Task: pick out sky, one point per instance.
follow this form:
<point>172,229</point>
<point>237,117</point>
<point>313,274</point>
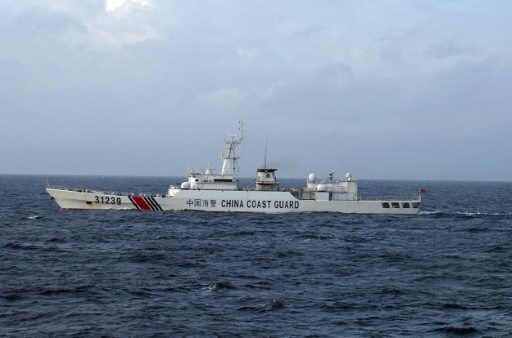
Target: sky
<point>383,89</point>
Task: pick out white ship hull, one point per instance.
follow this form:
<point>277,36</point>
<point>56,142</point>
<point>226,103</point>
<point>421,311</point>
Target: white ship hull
<point>230,201</point>
<point>212,191</point>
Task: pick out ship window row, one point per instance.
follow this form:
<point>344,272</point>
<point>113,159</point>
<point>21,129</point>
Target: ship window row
<point>405,205</point>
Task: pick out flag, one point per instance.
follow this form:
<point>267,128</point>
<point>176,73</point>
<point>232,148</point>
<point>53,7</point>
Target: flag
<point>422,190</point>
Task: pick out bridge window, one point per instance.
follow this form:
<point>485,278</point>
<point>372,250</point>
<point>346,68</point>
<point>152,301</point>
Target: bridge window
<point>395,204</point>
<point>415,205</point>
<point>385,205</point>
<point>405,205</point>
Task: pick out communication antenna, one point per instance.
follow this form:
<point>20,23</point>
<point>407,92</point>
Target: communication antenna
<point>265,159</point>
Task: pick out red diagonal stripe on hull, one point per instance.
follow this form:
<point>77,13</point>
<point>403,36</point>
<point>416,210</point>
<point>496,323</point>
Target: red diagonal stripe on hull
<point>141,203</point>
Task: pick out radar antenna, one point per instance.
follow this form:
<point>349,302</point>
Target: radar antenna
<point>228,160</point>
<point>265,159</point>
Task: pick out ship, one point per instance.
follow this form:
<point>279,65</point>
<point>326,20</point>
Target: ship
<point>213,191</point>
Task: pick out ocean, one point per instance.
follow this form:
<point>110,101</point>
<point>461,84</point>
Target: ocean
<point>446,272</point>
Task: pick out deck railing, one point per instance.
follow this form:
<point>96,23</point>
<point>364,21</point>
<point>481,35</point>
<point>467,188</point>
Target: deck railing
<point>389,198</point>
<point>114,193</point>
<point>58,187</point>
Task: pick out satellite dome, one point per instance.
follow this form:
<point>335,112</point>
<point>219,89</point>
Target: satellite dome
<point>312,178</point>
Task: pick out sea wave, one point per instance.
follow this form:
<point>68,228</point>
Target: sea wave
<point>440,273</point>
<point>464,213</point>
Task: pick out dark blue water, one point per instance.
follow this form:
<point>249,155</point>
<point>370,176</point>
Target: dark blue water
<point>446,272</point>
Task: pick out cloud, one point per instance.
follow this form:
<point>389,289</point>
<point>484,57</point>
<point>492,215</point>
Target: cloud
<point>84,24</point>
<point>114,5</point>
<point>224,98</point>
<point>450,49</point>
<point>343,82</point>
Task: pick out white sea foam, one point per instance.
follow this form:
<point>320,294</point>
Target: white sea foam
<point>429,212</point>
<point>465,213</point>
<point>478,214</point>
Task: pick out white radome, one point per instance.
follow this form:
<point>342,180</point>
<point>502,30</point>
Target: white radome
<point>312,178</point>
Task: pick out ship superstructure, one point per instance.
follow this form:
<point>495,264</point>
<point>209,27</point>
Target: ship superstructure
<point>208,179</point>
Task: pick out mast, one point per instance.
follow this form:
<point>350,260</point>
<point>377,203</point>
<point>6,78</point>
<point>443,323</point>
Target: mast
<point>266,178</point>
<point>229,160</point>
<point>265,161</point>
